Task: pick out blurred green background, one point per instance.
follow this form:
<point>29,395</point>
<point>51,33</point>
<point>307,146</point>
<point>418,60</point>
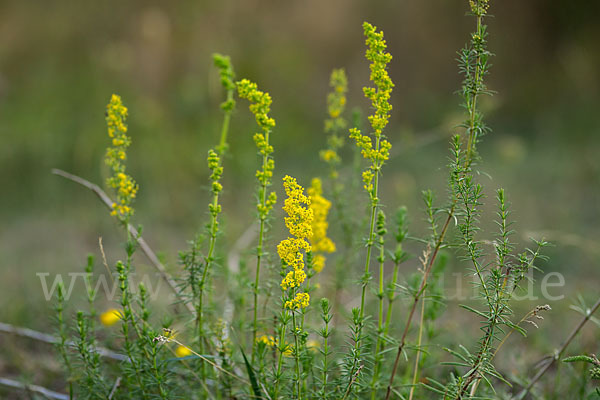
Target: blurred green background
<point>60,62</point>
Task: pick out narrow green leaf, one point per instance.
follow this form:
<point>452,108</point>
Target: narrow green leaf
<point>252,377</point>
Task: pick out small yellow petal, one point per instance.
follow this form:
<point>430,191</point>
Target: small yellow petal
<point>110,317</point>
<point>182,351</point>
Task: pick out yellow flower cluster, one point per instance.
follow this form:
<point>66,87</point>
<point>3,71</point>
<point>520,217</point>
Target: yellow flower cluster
<point>223,63</point>
<point>125,186</point>
<point>299,223</point>
<point>297,207</point>
<point>214,164</point>
<point>110,317</point>
<point>300,301</point>
<point>267,340</point>
<point>260,105</point>
<point>479,7</point>
<point>336,103</point>
<point>270,341</point>
<point>379,96</point>
<point>320,243</point>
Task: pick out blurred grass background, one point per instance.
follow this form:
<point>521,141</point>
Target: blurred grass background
<point>60,62</point>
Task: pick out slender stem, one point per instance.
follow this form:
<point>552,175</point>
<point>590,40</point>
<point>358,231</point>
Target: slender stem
<point>225,128</point>
<point>476,384</point>
<point>108,202</point>
<point>207,264</point>
<point>419,341</point>
<point>281,345</point>
<point>259,248</point>
<point>34,388</point>
<point>380,344</point>
<point>472,110</point>
<point>374,202</point>
<point>416,300</point>
<point>325,365</point>
<point>473,107</point>
<point>297,356</point>
<point>560,350</point>
<point>391,299</point>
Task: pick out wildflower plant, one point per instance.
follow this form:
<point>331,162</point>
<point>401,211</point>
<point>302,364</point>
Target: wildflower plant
<point>116,154</point>
<point>376,153</point>
<point>299,222</point>
<point>260,106</point>
<point>320,243</point>
<point>299,350</point>
<point>336,104</point>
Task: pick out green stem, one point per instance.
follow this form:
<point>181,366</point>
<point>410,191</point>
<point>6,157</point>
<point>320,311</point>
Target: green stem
<point>225,128</point>
<point>419,341</point>
<point>207,264</point>
<point>259,248</point>
<point>473,106</point>
<point>391,299</point>
<point>418,294</point>
<point>472,109</point>
<point>325,365</point>
<point>380,344</point>
<point>281,345</point>
<point>374,203</point>
<point>297,356</point>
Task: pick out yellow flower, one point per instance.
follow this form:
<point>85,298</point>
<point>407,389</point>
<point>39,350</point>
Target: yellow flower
<point>320,243</point>
<point>320,206</point>
<point>329,155</point>
<point>336,100</point>
<point>271,341</point>
<point>313,345</point>
<point>124,185</point>
<point>260,103</point>
<point>300,301</point>
<point>268,340</point>
<point>299,222</point>
<point>297,207</point>
<point>318,263</point>
<point>110,317</point>
<point>380,99</point>
<point>182,351</point>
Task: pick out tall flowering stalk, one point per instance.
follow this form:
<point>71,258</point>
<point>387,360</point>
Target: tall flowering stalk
<point>223,63</point>
<point>116,154</point>
<point>291,251</point>
<point>260,105</point>
<point>214,164</point>
<point>336,104</point>
<point>379,346</point>
<point>375,151</point>
<point>320,243</point>
<point>334,125</point>
<point>199,265</point>
<point>126,190</point>
<point>473,65</point>
<point>378,152</point>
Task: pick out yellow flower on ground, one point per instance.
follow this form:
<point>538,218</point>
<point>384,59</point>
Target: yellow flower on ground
<point>110,317</point>
<point>182,351</point>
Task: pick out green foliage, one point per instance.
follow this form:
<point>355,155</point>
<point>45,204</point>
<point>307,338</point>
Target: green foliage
<point>225,346</point>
